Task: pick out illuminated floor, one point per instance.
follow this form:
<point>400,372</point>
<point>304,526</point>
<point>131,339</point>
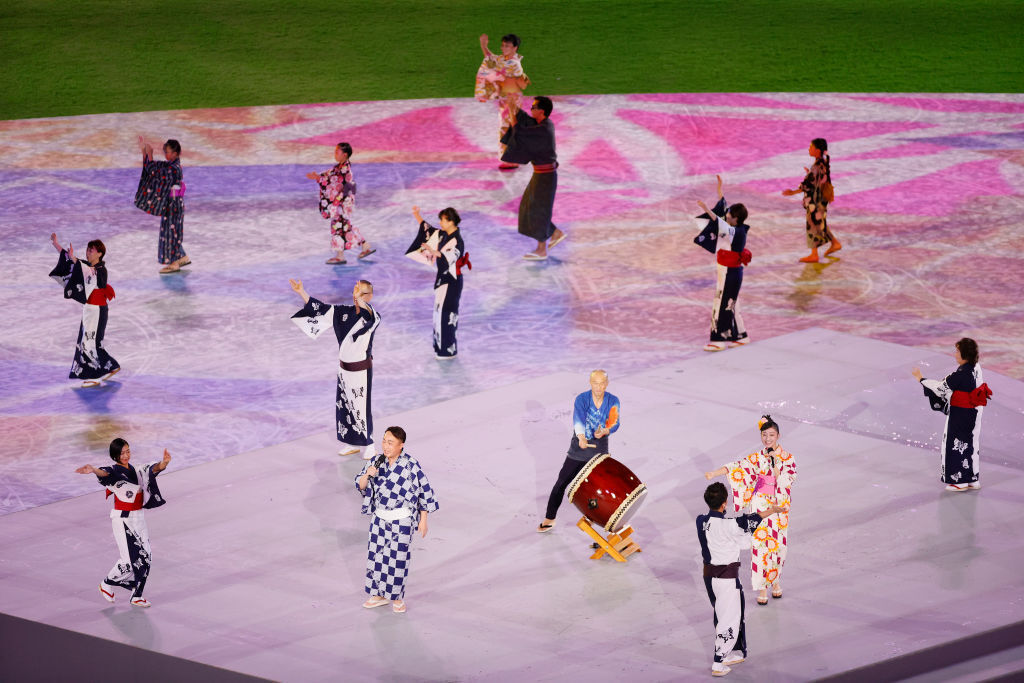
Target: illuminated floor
<point>928,196</point>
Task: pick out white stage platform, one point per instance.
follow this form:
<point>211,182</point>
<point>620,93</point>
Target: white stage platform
<point>259,558</point>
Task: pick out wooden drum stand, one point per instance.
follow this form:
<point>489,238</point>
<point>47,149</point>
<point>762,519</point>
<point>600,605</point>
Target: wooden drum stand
<point>618,545</point>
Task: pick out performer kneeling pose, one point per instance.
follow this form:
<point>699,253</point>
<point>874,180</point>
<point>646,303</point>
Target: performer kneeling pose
<point>446,249</point>
<point>721,539</point>
<point>728,242</point>
<point>760,480</point>
<point>87,284</point>
<point>134,489</point>
<point>595,415</point>
<point>354,326</point>
<point>395,491</point>
<point>961,396</point>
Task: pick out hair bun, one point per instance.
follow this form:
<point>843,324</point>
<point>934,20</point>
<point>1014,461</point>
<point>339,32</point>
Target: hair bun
<point>765,419</point>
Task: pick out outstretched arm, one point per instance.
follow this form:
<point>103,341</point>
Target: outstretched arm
<point>89,469</point>
<point>54,242</point>
<point>162,465</point>
<point>483,45</point>
<point>719,179</point>
<point>716,473</point>
<point>299,289</point>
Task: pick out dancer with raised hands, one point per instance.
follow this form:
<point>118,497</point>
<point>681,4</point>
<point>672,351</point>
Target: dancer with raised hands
<point>445,248</point>
<point>86,283</point>
<point>161,193</point>
<point>354,327</point>
<point>135,490</point>
<point>726,237</point>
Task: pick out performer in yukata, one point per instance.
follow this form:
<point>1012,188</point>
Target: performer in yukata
<point>961,397</point>
<point>721,540</point>
<point>86,283</point>
<point>337,202</point>
<point>760,480</point>
<point>161,193</point>
<point>135,490</point>
<point>532,139</point>
<point>398,497</point>
<point>818,192</point>
<point>445,248</point>
<point>501,77</point>
<point>595,415</point>
<point>726,237</point>
<point>354,326</point>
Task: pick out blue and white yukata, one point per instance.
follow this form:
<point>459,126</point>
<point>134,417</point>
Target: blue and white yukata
<point>728,243</point>
<point>721,540</point>
<point>586,418</point>
<point>134,489</point>
<point>88,286</point>
<point>447,284</point>
<point>354,330</point>
<point>394,499</point>
<point>961,397</point>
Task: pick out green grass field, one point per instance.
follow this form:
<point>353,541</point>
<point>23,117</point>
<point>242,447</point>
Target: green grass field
<point>91,56</point>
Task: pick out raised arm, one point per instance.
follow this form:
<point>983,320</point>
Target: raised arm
<point>299,289</point>
<point>483,45</point>
<point>162,465</point>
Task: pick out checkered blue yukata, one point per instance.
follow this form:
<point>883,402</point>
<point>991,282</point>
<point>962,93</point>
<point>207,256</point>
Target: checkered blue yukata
<point>396,487</point>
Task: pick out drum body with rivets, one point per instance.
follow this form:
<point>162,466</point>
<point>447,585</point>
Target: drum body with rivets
<point>607,492</point>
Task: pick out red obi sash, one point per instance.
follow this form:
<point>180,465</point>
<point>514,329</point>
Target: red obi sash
<point>971,399</point>
<point>463,261</point>
<point>545,168</point>
<point>733,259</point>
<point>119,504</point>
<point>100,296</point>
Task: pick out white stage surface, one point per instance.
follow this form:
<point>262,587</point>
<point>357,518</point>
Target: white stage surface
<point>259,558</point>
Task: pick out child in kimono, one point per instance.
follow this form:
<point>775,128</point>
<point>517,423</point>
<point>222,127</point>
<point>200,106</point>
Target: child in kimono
<point>337,203</point>
<point>501,78</point>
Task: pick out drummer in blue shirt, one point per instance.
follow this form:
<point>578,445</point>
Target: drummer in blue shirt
<point>595,416</point>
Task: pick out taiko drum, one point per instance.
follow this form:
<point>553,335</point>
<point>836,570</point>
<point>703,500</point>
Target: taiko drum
<point>607,492</point>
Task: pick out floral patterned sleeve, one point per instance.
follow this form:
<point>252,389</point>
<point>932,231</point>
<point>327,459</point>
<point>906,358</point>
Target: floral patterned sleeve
<point>741,475</point>
<point>787,475</point>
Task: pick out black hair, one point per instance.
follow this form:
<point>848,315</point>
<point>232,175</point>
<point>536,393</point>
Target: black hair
<point>968,349</point>
<point>715,495</point>
<point>739,212</point>
<point>98,246</point>
<point>820,144</point>
<point>396,432</point>
<point>545,104</point>
<point>116,446</point>
<point>174,145</point>
<point>511,39</point>
<point>345,147</point>
<point>766,422</point>
<point>449,213</point>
